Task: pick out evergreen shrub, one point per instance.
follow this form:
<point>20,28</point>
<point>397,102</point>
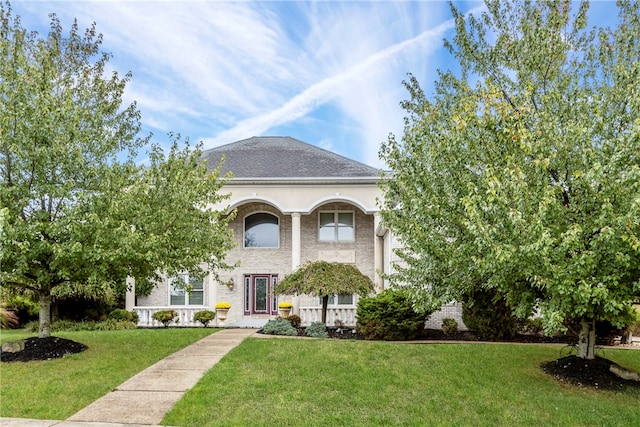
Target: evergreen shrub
<point>389,316</point>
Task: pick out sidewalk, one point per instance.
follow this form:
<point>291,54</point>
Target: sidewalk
<point>145,398</point>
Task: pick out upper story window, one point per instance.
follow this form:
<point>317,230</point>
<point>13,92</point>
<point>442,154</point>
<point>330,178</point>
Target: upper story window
<point>185,290</point>
<point>336,227</point>
<point>261,230</point>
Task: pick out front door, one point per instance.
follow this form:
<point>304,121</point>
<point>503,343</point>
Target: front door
<point>258,298</point>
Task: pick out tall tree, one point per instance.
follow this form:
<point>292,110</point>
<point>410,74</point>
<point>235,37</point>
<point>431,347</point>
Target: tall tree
<point>522,174</point>
<point>323,279</point>
<point>75,219</point>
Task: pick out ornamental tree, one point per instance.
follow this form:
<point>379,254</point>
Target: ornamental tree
<point>77,215</point>
<point>322,279</point>
<point>522,173</point>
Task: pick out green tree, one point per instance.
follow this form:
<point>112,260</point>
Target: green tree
<point>75,220</point>
<point>322,279</point>
<point>522,174</point>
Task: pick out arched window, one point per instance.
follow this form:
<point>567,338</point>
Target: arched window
<point>261,230</point>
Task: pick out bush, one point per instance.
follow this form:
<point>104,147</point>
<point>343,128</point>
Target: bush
<point>120,314</point>
<point>23,307</point>
<point>486,313</point>
<point>317,330</point>
<point>279,327</point>
<point>295,320</point>
<point>164,316</point>
<point>449,326</point>
<point>534,326</point>
<point>389,316</point>
<point>204,317</point>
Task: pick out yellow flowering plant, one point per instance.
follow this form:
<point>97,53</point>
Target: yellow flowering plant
<point>285,304</point>
<point>223,304</point>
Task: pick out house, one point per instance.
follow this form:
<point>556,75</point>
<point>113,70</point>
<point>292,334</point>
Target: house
<point>294,203</point>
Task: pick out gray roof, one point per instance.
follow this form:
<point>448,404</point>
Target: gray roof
<point>276,157</point>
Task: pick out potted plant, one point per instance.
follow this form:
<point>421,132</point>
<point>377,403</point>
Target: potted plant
<point>285,308</point>
<point>222,308</point>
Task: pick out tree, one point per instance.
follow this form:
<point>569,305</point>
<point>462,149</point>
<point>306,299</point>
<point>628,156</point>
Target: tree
<point>322,279</point>
<point>75,220</point>
<point>522,174</point>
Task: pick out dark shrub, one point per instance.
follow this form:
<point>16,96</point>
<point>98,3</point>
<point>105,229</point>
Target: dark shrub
<point>449,326</point>
<point>122,315</point>
<point>389,316</point>
<point>295,320</point>
<point>486,313</point>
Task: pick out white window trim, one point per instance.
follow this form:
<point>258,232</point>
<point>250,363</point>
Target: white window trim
<point>335,220</point>
<point>244,230</point>
<point>186,294</point>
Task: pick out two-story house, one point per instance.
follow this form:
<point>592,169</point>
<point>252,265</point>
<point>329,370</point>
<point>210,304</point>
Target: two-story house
<point>294,203</point>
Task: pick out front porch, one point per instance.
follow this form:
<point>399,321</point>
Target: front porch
<point>308,315</point>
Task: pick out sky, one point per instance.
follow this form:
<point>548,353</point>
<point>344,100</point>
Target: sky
<point>328,73</point>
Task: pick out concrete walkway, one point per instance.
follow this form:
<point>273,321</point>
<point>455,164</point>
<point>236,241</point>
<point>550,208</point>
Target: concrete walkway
<point>145,398</point>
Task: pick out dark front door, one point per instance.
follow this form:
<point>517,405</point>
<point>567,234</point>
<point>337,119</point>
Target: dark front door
<point>258,298</point>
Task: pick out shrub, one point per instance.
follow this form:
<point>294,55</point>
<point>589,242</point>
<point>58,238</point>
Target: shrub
<point>279,327</point>
<point>389,316</point>
<point>486,313</point>
<point>8,319</point>
<point>23,307</point>
<point>165,316</point>
<point>114,325</point>
<point>534,326</point>
<point>204,317</point>
<point>317,330</point>
<point>120,314</point>
<point>449,326</point>
<point>295,320</point>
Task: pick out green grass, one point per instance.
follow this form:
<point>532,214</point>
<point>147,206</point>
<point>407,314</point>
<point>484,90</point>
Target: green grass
<point>58,388</point>
<point>266,382</point>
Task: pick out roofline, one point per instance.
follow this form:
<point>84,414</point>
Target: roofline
<point>306,180</point>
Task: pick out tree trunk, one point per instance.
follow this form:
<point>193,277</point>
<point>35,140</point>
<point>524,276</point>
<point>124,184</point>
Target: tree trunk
<point>325,303</point>
<point>587,339</point>
<point>45,316</point>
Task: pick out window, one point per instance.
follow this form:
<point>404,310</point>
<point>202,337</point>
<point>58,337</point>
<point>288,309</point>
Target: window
<point>261,230</point>
<point>185,290</point>
<point>336,227</point>
<point>343,299</point>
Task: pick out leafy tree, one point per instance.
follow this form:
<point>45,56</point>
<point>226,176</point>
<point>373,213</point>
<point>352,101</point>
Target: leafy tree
<point>522,174</point>
<point>76,219</point>
<point>322,279</point>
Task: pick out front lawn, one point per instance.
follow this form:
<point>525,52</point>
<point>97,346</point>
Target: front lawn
<point>293,382</point>
<point>58,388</point>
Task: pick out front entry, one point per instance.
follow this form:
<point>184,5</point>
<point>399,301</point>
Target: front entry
<point>258,295</point>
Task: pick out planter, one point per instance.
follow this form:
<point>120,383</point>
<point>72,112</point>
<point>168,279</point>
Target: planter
<point>221,315</point>
<point>284,311</point>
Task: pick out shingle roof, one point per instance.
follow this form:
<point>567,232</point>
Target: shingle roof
<point>284,157</point>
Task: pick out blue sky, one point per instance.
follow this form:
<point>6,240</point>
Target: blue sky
<point>326,72</point>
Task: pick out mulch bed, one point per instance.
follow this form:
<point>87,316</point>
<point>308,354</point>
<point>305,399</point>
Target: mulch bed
<point>593,373</point>
<point>43,349</point>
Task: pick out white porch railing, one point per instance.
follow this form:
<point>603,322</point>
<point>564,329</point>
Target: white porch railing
<point>184,318</point>
<point>347,315</point>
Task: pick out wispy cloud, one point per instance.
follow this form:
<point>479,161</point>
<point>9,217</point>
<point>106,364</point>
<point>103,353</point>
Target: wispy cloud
<point>328,73</point>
